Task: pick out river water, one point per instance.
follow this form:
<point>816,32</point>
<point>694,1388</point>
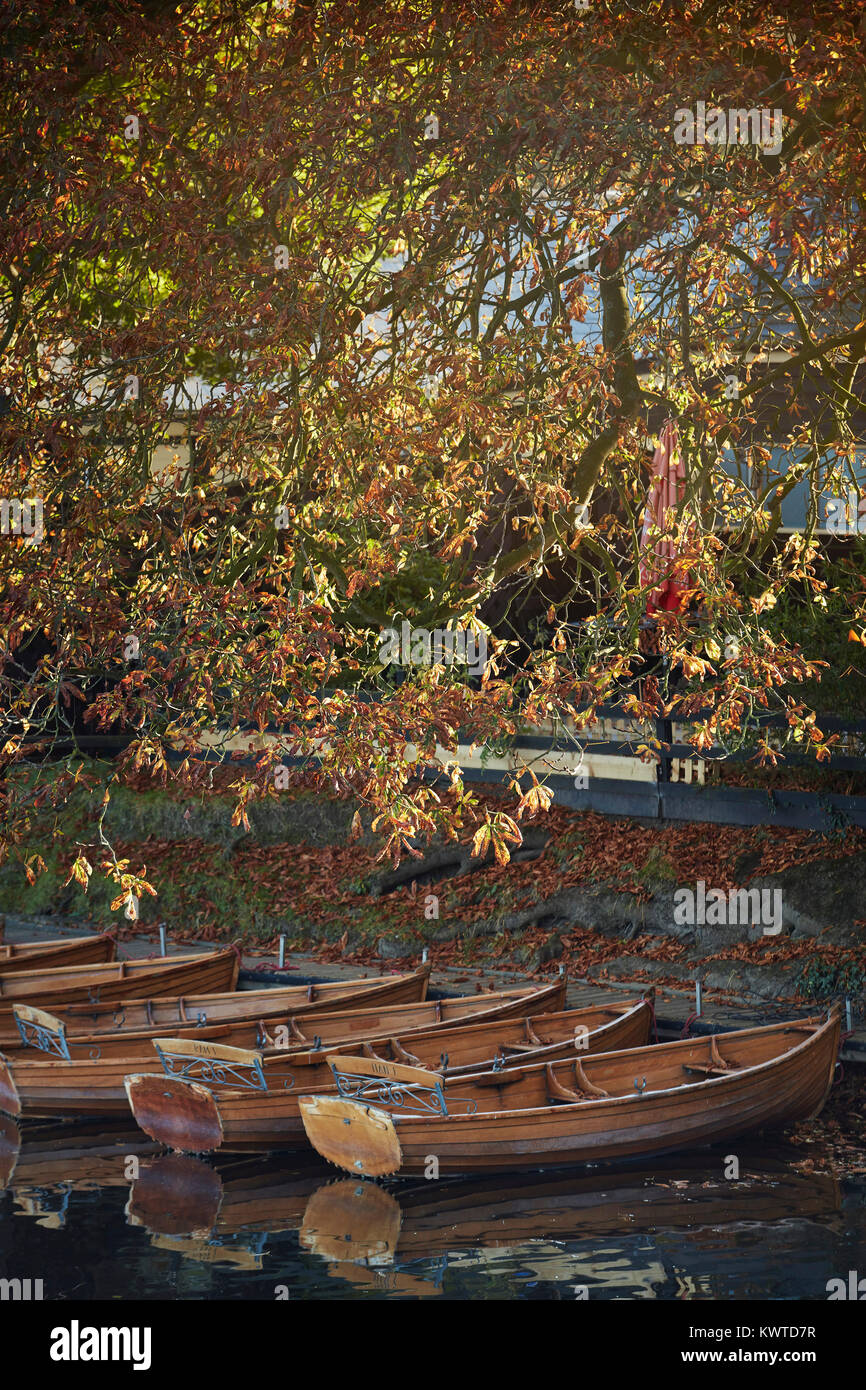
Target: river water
<point>95,1215</point>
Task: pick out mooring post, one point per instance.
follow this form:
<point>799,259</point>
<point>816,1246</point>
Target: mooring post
<point>698,998</point>
<point>424,954</point>
<point>281,958</point>
<point>162,947</point>
<point>849,1017</point>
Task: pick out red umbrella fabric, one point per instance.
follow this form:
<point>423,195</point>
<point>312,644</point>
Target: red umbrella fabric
<point>658,563</point>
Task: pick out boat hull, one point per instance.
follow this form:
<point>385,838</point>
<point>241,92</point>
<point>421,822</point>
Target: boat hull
<point>253,1121</point>
<point>91,1084</point>
<point>52,955</point>
<point>101,984</point>
<point>375,1141</point>
<point>167,1006</point>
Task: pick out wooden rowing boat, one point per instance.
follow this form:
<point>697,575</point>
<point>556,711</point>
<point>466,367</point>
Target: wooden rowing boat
<point>391,1119</point>
<point>82,1082</point>
<point>154,1017</point>
<point>91,1083</point>
<point>49,955</point>
<point>125,979</point>
<point>196,1118</point>
<point>43,1034</point>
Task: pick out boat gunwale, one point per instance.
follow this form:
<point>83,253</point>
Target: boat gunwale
<point>211,1031</point>
<point>83,1009</point>
<point>182,958</point>
<point>602,1102</point>
<point>35,1060</point>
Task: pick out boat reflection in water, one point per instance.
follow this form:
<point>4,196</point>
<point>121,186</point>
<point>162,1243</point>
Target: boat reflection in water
<point>238,1225</point>
<point>373,1236</point>
<point>44,1164</point>
<point>403,1239</point>
<point>221,1214</point>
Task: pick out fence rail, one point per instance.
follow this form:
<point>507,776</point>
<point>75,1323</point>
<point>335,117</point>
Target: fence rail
<point>607,775</point>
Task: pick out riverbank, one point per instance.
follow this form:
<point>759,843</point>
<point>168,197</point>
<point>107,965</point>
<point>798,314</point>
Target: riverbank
<point>594,895</point>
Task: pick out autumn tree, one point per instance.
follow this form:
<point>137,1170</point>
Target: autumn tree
<point>416,282</point>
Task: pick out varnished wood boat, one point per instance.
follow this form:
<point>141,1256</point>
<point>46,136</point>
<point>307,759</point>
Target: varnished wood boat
<point>174,1008</point>
<point>125,979</point>
<point>644,1101</point>
<point>195,1118</point>
<point>89,1085</point>
<point>43,1034</point>
<point>49,955</point>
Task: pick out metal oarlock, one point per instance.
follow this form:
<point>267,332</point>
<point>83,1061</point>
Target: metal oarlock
<point>281,957</point>
<point>162,946</point>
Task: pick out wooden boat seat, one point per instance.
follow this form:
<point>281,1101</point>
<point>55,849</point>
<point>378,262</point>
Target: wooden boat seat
<point>496,1078</point>
<point>398,1053</point>
<point>556,1091</point>
<point>717,1065</point>
<point>402,1055</point>
<point>587,1091</point>
<point>534,1039</point>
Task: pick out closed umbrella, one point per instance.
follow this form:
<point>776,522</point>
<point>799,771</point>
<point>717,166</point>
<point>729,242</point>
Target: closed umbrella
<point>658,561</point>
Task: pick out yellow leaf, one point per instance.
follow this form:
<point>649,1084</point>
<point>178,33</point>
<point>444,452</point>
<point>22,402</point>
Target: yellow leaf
<point>481,842</point>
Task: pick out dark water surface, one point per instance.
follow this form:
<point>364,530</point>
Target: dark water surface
<point>282,1227</point>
